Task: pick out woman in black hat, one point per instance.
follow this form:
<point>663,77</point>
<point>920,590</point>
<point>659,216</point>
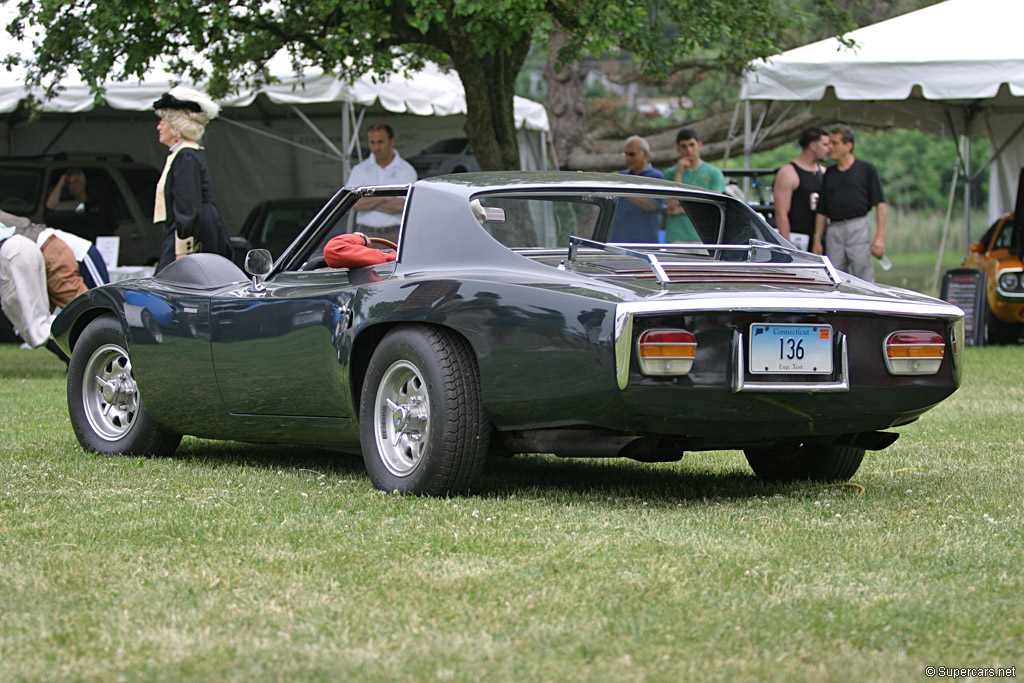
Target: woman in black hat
<point>184,196</point>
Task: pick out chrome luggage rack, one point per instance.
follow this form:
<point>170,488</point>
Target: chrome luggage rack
<point>758,255</point>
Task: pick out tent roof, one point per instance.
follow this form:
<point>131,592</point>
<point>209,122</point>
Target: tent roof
<point>430,92</point>
<point>955,50</point>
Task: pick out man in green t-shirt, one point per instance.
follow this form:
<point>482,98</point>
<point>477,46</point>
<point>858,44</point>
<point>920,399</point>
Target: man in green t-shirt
<point>690,170</point>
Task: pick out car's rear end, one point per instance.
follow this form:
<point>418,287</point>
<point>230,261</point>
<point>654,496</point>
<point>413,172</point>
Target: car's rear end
<point>728,339</point>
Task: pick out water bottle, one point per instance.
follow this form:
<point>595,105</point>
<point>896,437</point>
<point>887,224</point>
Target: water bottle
<point>884,262</point>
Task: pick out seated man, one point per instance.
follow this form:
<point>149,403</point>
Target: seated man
<point>353,250</point>
<point>69,190</point>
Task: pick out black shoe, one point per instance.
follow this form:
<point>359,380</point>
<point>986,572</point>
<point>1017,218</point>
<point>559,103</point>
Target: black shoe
<point>52,347</point>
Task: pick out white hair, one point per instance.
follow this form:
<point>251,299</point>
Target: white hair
<point>644,145</point>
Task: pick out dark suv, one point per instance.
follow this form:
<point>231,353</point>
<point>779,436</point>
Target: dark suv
<point>120,194</point>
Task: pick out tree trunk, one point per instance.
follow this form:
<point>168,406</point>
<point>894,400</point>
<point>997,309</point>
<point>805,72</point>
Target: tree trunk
<point>490,85</point>
<point>567,104</point>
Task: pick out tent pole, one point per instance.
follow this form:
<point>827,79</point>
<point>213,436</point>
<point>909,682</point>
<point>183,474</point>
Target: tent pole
<point>732,131</point>
<point>278,138</point>
<point>346,137</point>
<point>763,133</point>
<point>746,145</point>
<point>357,124</point>
<point>747,140</point>
<point>319,133</point>
<point>945,228</point>
<point>967,192</point>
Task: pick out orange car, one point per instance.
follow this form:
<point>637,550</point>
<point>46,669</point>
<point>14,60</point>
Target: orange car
<point>998,254</point>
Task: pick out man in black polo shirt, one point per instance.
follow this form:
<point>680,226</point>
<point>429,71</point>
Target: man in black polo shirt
<point>848,191</point>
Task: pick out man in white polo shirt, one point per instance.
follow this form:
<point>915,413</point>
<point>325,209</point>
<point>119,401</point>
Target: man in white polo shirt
<point>380,216</point>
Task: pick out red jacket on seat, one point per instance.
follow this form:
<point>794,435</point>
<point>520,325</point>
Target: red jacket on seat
<point>350,251</point>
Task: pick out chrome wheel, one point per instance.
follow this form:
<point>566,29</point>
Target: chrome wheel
<point>402,410</point>
<point>422,424</point>
<point>110,396</point>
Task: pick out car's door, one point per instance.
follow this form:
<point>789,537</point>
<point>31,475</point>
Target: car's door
<point>284,351</point>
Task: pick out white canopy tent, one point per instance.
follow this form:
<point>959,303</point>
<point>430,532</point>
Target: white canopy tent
<point>296,137</point>
<point>956,67</point>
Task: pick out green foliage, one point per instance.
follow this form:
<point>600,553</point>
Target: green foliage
<point>917,168</point>
<point>120,39</point>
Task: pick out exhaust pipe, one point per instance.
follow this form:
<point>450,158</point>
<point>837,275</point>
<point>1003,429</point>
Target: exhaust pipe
<point>586,443</point>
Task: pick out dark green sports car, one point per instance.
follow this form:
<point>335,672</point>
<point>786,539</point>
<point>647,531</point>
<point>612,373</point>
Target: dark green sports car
<point>509,323</point>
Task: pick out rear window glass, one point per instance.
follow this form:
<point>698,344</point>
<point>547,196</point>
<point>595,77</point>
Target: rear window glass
<point>520,221</point>
<point>20,190</point>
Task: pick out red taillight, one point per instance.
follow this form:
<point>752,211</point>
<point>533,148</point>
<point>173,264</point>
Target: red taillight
<point>666,352</point>
<point>911,352</point>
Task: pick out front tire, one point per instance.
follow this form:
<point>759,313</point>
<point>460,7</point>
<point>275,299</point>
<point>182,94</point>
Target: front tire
<point>997,331</point>
<point>422,423</point>
<point>814,462</point>
<point>106,409</point>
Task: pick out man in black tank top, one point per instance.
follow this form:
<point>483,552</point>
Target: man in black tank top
<point>797,186</point>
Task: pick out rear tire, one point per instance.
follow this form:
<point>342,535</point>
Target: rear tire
<point>422,423</point>
<point>813,462</point>
<point>106,408</point>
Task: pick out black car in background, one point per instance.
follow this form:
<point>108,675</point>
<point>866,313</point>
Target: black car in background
<point>274,224</point>
<point>120,195</point>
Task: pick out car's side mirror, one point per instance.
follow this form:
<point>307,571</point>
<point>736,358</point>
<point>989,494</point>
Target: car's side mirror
<point>977,248</point>
<point>258,263</point>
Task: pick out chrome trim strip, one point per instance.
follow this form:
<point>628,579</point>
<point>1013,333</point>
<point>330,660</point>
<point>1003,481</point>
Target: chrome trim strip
<point>650,253</point>
<point>794,303</point>
<point>737,380</point>
<point>832,272</point>
<point>623,345</point>
<point>1005,294</point>
<point>957,341</point>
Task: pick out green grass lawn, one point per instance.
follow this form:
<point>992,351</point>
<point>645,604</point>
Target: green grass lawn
<point>237,562</point>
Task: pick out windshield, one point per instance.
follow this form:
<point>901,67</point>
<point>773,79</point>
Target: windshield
<point>20,190</point>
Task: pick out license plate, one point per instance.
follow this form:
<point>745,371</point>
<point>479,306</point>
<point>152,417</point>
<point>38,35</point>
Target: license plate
<point>791,349</point>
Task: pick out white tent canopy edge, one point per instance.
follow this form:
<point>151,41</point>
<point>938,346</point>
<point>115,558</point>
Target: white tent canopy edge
<point>317,116</point>
<point>955,68</point>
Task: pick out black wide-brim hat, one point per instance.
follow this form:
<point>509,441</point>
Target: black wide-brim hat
<point>169,101</point>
